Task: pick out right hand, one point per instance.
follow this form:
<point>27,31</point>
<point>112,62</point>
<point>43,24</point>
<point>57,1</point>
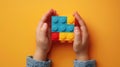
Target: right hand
<point>43,42</point>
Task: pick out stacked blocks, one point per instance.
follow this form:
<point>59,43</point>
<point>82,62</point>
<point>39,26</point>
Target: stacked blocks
<point>62,28</point>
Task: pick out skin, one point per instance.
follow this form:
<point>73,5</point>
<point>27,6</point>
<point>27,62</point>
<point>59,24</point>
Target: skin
<point>43,42</point>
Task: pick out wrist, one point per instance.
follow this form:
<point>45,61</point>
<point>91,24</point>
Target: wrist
<point>83,56</point>
<point>40,55</point>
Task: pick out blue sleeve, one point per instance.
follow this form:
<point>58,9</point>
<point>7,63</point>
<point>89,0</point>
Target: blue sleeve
<point>89,63</point>
<point>33,63</point>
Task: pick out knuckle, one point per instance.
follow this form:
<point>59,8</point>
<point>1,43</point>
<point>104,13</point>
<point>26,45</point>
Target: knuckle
<point>77,43</point>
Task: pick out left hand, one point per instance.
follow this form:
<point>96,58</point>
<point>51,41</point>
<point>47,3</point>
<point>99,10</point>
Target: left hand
<point>80,45</point>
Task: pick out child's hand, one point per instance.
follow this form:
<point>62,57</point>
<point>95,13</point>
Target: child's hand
<point>43,36</point>
<point>80,44</point>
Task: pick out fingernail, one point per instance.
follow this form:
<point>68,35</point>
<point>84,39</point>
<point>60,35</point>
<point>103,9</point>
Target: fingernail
<point>44,25</point>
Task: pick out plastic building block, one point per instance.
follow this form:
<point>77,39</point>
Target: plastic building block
<point>55,36</point>
<point>59,24</point>
<point>70,20</point>
<point>70,28</point>
<point>62,36</point>
<point>66,36</point>
<point>70,37</point>
<point>62,28</point>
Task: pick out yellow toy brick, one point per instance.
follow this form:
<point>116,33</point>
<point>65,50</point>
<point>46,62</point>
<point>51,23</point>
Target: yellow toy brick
<point>70,20</point>
<point>62,36</point>
<point>70,37</point>
<point>66,36</point>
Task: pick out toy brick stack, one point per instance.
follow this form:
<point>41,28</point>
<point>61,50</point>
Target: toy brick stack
<point>62,28</point>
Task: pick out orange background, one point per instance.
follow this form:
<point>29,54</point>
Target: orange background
<point>19,18</point>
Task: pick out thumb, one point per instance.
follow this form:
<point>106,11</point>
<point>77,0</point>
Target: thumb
<point>44,28</point>
<point>77,35</point>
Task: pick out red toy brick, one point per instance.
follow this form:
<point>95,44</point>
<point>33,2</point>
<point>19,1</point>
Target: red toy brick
<point>76,23</point>
<point>54,36</point>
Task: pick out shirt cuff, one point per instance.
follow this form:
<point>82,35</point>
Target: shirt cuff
<point>33,63</point>
<point>88,63</point>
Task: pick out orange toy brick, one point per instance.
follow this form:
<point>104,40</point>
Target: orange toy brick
<point>55,36</point>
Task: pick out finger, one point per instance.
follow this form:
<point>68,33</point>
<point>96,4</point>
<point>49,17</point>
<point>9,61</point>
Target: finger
<point>82,27</point>
<point>46,16</point>
<point>77,35</point>
<point>80,20</point>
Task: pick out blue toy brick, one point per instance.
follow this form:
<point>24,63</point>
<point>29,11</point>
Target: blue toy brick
<point>62,28</point>
<point>62,20</point>
<point>59,24</point>
<point>54,19</point>
<point>54,28</point>
<point>70,28</point>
